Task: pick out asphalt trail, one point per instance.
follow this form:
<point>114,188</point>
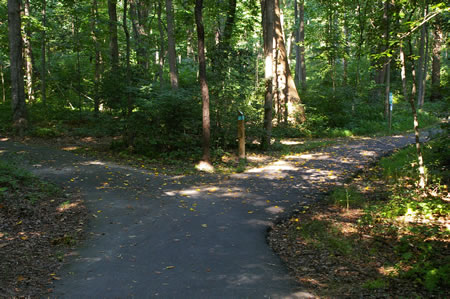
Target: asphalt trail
<point>198,236</point>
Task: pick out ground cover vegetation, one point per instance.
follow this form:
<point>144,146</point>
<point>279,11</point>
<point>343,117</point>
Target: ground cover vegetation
<point>379,235</point>
<point>160,83</point>
<point>39,225</point>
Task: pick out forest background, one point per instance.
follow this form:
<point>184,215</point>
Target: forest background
<point>130,68</point>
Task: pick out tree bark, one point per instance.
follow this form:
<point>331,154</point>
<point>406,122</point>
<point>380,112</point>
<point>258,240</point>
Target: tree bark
<point>268,14</point>
<point>421,62</point>
<point>113,42</point>
<point>28,53</point>
<point>127,39</point>
<point>403,70</point>
<point>97,71</point>
<point>139,12</point>
<point>44,53</point>
<point>387,64</point>
<point>171,45</point>
<point>161,45</point>
<point>425,69</point>
<point>18,106</point>
<point>203,83</point>
<point>413,70</point>
<point>289,98</point>
<point>436,64</point>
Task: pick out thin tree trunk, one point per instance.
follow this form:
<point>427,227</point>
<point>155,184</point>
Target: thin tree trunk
<point>28,53</point>
<point>202,78</point>
<point>403,71</point>
<point>436,64</point>
<point>113,42</point>
<point>43,53</point>
<point>298,70</point>
<point>413,70</point>
<point>425,70</point>
<point>387,66</point>
<point>421,62</point>
<point>127,39</point>
<point>97,72</point>
<point>302,44</point>
<point>161,45</point>
<point>346,50</point>
<point>171,45</point>
<point>19,110</point>
<point>268,8</point>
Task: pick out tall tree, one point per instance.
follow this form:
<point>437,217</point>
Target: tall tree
<point>44,53</point>
<point>421,71</point>
<point>19,109</point>
<point>113,40</point>
<point>139,12</point>
<point>436,62</point>
<point>171,44</point>
<point>161,44</point>
<point>28,52</point>
<point>292,103</point>
<point>202,78</point>
<point>98,57</point>
<point>268,15</point>
<point>300,61</point>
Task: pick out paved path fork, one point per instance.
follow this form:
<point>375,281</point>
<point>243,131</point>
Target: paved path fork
<point>195,236</point>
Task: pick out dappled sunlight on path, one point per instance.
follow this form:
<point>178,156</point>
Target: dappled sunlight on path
<point>190,236</point>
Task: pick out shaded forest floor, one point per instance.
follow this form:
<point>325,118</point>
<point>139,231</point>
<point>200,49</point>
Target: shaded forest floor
<point>378,236</point>
<point>39,225</point>
<point>325,244</point>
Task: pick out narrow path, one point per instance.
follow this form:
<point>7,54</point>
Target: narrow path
<point>189,236</point>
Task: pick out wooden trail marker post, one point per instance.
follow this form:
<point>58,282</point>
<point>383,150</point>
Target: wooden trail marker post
<point>241,135</point>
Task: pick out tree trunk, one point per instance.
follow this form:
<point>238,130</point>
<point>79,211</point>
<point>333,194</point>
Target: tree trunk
<point>403,70</point>
<point>139,12</point>
<point>346,50</point>
<point>113,42</point>
<point>97,72</point>
<point>301,40</point>
<point>127,39</point>
<point>421,62</point>
<point>171,44</point>
<point>290,98</point>
<point>161,45</point>
<point>425,70</point>
<point>413,70</point>
<point>202,78</point>
<point>28,53</point>
<point>387,64</point>
<point>268,7</point>
<point>436,64</point>
<point>43,53</point>
<point>18,106</point>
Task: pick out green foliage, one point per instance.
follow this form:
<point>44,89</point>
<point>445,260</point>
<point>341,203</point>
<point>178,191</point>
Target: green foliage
<point>13,179</point>
<point>421,240</point>
<point>324,234</point>
<point>347,198</point>
<point>375,284</point>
